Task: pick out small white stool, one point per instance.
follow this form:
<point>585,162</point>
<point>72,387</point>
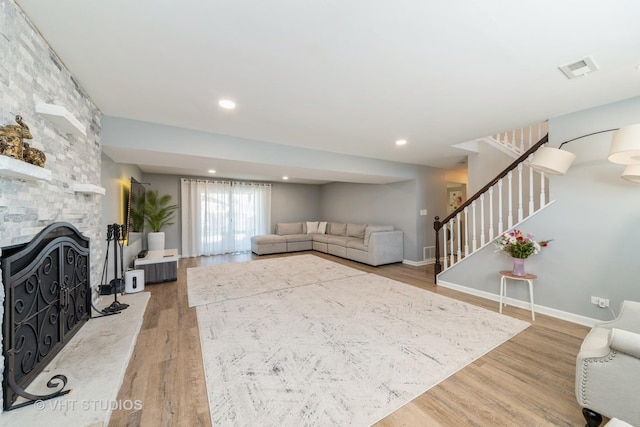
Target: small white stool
<point>503,287</point>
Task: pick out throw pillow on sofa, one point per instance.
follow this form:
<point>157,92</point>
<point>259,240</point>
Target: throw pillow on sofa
<point>356,230</point>
<point>322,227</point>
<point>312,227</point>
<point>337,228</point>
<point>286,228</point>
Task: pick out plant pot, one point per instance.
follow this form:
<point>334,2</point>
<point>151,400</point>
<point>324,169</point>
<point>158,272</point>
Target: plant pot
<point>518,267</point>
<point>155,241</point>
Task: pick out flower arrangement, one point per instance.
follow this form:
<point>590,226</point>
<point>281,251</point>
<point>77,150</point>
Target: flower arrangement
<point>518,244</point>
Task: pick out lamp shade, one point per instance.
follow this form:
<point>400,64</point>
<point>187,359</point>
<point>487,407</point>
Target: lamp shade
<point>552,160</point>
<point>632,173</point>
<point>625,145</point>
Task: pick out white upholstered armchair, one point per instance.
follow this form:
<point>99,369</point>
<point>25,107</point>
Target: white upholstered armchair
<point>608,369</point>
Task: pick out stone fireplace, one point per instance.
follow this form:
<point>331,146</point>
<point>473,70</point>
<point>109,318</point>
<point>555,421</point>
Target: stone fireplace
<point>32,74</point>
<point>47,300</point>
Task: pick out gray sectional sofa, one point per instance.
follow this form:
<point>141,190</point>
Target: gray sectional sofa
<point>369,244</point>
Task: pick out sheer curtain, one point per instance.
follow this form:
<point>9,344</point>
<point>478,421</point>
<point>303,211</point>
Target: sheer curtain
<point>220,217</point>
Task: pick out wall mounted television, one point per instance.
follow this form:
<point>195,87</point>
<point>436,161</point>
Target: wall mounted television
<point>135,212</point>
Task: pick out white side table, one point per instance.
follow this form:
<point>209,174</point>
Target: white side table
<point>159,266</point>
<point>526,278</point>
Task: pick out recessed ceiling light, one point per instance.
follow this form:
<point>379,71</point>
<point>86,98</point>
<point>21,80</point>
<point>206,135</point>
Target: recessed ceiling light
<point>227,104</point>
<point>285,177</point>
<point>401,142</point>
<point>211,171</point>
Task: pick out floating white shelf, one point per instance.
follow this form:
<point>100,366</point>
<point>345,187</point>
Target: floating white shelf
<point>18,169</point>
<point>61,118</point>
<point>89,189</point>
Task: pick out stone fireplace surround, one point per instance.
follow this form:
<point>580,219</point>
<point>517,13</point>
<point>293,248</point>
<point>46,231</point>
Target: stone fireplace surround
<point>32,73</point>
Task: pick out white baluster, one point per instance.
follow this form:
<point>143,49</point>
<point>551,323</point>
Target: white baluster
<point>452,238</point>
<point>539,131</point>
<point>520,209</point>
<point>531,198</point>
<point>530,137</point>
<point>542,189</point>
<point>458,237</point>
<point>466,231</point>
<point>474,241</point>
<point>491,212</point>
<point>510,194</point>
<point>500,222</point>
<point>445,233</point>
<point>521,144</point>
<point>482,236</point>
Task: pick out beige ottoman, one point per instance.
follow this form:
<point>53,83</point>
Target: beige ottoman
<point>268,244</point>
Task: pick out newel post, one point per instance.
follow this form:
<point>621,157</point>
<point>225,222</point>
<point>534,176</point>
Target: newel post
<point>437,268</point>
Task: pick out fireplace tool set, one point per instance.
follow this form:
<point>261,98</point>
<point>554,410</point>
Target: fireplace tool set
<point>115,233</point>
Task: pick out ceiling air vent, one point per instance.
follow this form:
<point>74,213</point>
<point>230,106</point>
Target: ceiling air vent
<point>579,68</point>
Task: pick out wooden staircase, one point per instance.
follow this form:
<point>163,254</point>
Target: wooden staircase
<point>512,196</point>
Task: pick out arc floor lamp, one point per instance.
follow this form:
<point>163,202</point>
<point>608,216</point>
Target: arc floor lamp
<point>624,149</point>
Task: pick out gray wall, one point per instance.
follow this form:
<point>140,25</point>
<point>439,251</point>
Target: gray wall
<point>116,177</point>
<point>393,204</point>
<point>431,188</point>
<point>593,222</point>
<point>294,202</point>
<point>397,204</point>
<point>31,73</point>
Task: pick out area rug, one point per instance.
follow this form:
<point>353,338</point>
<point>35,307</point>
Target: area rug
<point>344,352</point>
<point>239,280</point>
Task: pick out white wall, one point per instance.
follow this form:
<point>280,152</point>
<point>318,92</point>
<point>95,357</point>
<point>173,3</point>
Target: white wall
<point>593,223</point>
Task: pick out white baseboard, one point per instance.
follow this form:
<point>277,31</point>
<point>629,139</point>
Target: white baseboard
<point>552,312</point>
<point>418,263</point>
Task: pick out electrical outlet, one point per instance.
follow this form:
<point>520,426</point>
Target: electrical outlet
<point>600,302</point>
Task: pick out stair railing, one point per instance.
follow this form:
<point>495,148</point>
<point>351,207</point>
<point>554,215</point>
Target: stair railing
<point>464,239</point>
<point>520,140</point>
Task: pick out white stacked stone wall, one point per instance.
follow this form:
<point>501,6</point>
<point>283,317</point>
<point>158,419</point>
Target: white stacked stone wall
<point>30,72</point>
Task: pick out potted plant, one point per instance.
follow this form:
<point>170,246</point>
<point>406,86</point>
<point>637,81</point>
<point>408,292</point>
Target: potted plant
<point>158,213</point>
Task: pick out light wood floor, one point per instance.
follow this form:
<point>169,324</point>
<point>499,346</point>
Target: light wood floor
<point>527,381</point>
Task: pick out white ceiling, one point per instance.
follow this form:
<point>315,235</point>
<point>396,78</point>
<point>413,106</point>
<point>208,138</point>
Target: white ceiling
<point>345,76</point>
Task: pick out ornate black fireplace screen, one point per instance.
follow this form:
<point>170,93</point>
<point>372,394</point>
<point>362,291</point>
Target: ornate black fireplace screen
<point>47,300</point>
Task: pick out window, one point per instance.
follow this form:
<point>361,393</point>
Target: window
<point>220,217</point>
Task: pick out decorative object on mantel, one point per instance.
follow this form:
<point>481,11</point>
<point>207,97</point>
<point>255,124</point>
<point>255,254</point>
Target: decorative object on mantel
<point>11,137</point>
<point>34,156</point>
<point>158,213</point>
<point>519,246</point>
<point>12,144</point>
